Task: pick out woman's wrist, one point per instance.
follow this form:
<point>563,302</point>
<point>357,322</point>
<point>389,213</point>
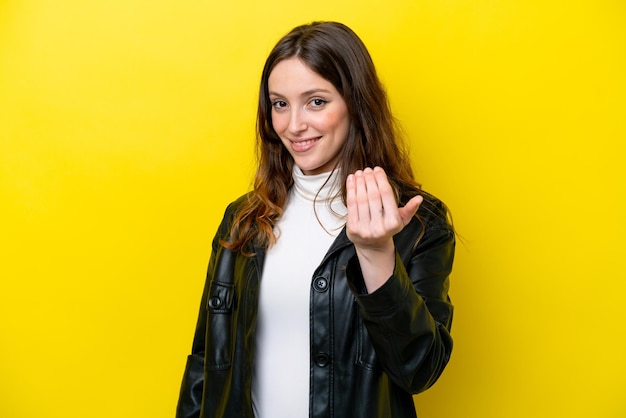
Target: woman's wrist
<point>377,264</point>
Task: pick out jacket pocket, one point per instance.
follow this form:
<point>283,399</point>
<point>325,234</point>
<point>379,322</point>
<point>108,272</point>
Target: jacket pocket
<point>219,333</point>
<point>366,355</point>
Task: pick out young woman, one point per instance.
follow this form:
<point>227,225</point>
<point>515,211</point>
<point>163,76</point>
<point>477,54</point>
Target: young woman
<point>327,288</point>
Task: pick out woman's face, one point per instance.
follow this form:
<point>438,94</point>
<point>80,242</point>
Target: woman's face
<point>309,115</point>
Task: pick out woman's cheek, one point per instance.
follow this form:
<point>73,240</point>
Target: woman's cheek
<point>278,121</point>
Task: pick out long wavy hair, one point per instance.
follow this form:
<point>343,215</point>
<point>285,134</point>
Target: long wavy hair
<point>336,53</point>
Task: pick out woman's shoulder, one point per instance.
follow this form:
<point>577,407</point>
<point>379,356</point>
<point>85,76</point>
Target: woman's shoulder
<point>229,214</point>
<point>236,205</point>
<point>433,210</point>
<point>430,228</point>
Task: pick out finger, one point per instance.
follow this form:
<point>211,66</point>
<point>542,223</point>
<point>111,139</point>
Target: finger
<point>351,203</point>
<point>361,197</point>
<point>410,209</point>
<point>387,195</point>
<point>373,195</point>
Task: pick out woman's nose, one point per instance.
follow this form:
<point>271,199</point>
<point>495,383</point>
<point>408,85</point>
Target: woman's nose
<point>297,121</point>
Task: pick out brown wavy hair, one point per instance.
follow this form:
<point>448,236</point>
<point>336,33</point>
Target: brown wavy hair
<point>336,53</point>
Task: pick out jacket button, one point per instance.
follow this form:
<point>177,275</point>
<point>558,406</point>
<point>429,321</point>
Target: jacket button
<point>322,359</point>
<point>320,284</point>
<point>215,302</point>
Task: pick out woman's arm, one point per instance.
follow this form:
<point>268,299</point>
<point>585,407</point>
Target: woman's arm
<point>191,389</point>
<point>373,219</point>
<point>408,316</point>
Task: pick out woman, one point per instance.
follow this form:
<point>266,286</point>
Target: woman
<point>326,292</point>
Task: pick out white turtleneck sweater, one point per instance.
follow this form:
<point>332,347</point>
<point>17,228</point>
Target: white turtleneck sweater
<point>280,385</point>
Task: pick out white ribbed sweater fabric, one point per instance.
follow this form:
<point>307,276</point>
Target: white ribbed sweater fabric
<point>280,386</point>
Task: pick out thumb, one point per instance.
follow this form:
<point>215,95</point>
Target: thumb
<point>410,209</point>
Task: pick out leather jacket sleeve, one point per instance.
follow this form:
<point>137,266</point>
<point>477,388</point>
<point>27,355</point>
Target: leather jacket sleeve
<point>190,398</point>
<point>409,317</point>
<point>191,391</point>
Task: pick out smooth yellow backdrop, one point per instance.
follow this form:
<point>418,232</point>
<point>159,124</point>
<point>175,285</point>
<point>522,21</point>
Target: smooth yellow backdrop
<point>126,126</point>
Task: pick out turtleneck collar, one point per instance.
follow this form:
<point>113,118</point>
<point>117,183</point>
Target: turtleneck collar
<point>307,186</point>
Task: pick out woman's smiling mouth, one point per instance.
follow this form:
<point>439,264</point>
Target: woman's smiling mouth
<point>301,145</point>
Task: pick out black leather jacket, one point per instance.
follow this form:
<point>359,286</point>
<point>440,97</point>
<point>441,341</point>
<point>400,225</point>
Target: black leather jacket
<point>369,352</point>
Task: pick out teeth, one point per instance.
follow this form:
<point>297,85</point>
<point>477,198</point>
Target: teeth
<point>307,142</point>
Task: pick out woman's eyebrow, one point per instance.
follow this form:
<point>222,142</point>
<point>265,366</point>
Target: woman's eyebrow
<point>313,91</point>
<point>305,93</point>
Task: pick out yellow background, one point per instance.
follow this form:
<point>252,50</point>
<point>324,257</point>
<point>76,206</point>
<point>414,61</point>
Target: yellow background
<point>126,126</point>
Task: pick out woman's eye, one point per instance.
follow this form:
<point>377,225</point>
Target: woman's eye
<point>279,104</point>
<point>318,102</point>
